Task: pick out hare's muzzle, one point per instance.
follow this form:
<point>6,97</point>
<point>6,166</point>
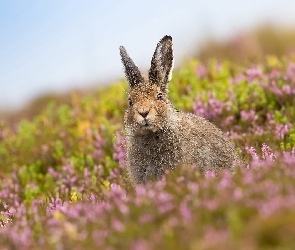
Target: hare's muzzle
<point>144,117</point>
<point>144,113</point>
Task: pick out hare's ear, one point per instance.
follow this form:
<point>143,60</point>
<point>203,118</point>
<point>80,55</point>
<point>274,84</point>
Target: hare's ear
<point>132,72</point>
<point>162,63</point>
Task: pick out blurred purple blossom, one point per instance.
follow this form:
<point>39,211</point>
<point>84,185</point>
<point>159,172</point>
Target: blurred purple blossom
<point>253,73</point>
<point>282,129</point>
<point>185,211</point>
<point>249,117</point>
<point>210,174</point>
<point>201,71</point>
<point>240,77</point>
<point>252,152</point>
<point>227,121</point>
<point>291,72</point>
<point>274,74</point>
<point>210,109</point>
<point>267,153</point>
<point>275,89</point>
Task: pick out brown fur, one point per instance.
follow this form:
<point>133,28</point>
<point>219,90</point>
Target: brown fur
<point>159,136</point>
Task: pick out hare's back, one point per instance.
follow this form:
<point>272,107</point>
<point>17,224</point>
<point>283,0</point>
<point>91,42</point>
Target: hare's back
<point>197,125</point>
<point>205,144</point>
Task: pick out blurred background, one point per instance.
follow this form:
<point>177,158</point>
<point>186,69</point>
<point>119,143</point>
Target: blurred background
<point>49,48</point>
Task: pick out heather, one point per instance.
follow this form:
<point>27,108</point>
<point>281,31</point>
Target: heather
<point>64,185</point>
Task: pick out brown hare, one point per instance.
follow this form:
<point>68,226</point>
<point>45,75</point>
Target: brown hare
<point>157,135</point>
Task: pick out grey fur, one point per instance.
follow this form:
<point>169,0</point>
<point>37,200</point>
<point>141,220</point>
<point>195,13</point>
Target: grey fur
<point>132,72</point>
<point>159,136</point>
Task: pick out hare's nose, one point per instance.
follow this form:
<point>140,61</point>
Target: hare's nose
<point>144,114</point>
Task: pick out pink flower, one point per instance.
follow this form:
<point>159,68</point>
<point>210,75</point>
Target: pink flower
<point>210,109</point>
<point>146,218</point>
<point>185,211</point>
<point>274,74</point>
<point>227,121</point>
<point>118,225</point>
<point>252,73</point>
<point>291,71</point>
<point>240,77</point>
<point>275,89</point>
<point>249,117</point>
<point>253,153</point>
<point>140,245</point>
<point>210,174</point>
<point>287,89</point>
<point>238,194</point>
<point>282,129</point>
<point>267,153</point>
<point>201,71</point>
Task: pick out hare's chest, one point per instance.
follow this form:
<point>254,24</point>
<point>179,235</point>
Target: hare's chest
<point>159,150</point>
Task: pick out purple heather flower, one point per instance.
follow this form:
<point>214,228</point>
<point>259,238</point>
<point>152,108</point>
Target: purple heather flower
<point>211,205</point>
<point>267,153</point>
<point>252,73</point>
<point>118,225</point>
<point>282,129</point>
<point>140,245</point>
<point>238,194</point>
<point>291,71</point>
<point>201,71</point>
<point>259,130</point>
<point>253,153</point>
<point>275,89</point>
<point>44,148</point>
<point>287,89</point>
<point>188,89</point>
<point>146,218</point>
<point>98,153</point>
<point>240,77</point>
<point>52,172</point>
<point>270,119</point>
<point>68,169</point>
<point>210,109</point>
<point>226,180</point>
<point>193,187</point>
<point>180,179</point>
<point>185,211</point>
<point>249,117</point>
<point>274,74</point>
<point>165,208</point>
<point>228,120</point>
<point>210,174</point>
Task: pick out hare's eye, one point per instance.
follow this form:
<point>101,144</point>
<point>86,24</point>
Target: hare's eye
<point>159,96</point>
<point>129,101</point>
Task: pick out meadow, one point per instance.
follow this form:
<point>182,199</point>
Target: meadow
<point>63,183</point>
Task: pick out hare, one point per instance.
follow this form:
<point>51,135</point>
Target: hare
<point>157,135</point>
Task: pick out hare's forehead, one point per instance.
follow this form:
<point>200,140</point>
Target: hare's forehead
<point>144,91</point>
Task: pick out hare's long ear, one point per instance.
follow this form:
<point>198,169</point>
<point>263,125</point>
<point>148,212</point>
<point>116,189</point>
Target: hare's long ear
<point>162,63</point>
<point>132,72</point>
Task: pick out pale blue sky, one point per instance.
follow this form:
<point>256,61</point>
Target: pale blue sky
<point>53,46</point>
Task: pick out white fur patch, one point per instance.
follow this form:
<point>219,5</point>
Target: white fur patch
<point>173,118</point>
<point>159,58</point>
<point>172,66</point>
